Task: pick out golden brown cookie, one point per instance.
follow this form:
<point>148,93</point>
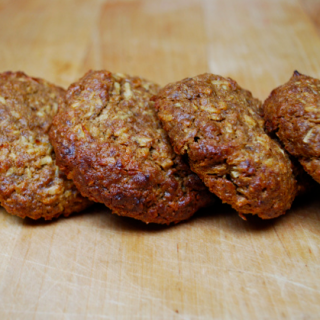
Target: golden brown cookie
<point>31,185</point>
<point>292,111</point>
<point>109,140</point>
<point>216,124</point>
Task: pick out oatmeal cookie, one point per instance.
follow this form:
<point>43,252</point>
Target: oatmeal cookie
<point>305,184</point>
<point>109,140</point>
<point>31,185</point>
<point>292,111</point>
<point>217,125</point>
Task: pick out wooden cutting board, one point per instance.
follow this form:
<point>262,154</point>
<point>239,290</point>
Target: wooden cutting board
<point>96,265</point>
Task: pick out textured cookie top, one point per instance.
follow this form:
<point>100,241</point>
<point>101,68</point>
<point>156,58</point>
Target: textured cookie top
<point>30,182</point>
<point>109,140</point>
<point>216,123</point>
<point>293,112</point>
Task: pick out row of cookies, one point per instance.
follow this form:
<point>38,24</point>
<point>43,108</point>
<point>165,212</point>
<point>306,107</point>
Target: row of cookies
<point>124,142</point>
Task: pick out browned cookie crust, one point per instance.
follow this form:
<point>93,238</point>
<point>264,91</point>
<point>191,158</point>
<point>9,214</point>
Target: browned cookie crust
<point>292,111</point>
<point>216,123</point>
<point>305,183</point>
<point>31,185</point>
<point>109,140</point>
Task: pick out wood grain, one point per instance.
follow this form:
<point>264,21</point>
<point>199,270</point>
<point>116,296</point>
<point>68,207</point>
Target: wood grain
<point>312,8</point>
<point>96,265</point>
<point>162,41</point>
<point>260,43</point>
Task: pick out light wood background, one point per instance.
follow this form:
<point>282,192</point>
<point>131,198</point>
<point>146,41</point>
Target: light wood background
<point>99,266</point>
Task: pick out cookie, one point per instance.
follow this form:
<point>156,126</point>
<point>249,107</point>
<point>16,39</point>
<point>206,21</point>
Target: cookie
<point>216,124</point>
<point>109,140</point>
<point>305,184</point>
<point>31,184</point>
<point>292,111</point>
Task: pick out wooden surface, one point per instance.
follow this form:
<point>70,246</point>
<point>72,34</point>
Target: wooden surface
<point>216,266</point>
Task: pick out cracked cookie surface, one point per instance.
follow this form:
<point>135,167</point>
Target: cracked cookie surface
<point>217,125</point>
<point>292,111</point>
<point>109,140</point>
<point>31,185</point>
